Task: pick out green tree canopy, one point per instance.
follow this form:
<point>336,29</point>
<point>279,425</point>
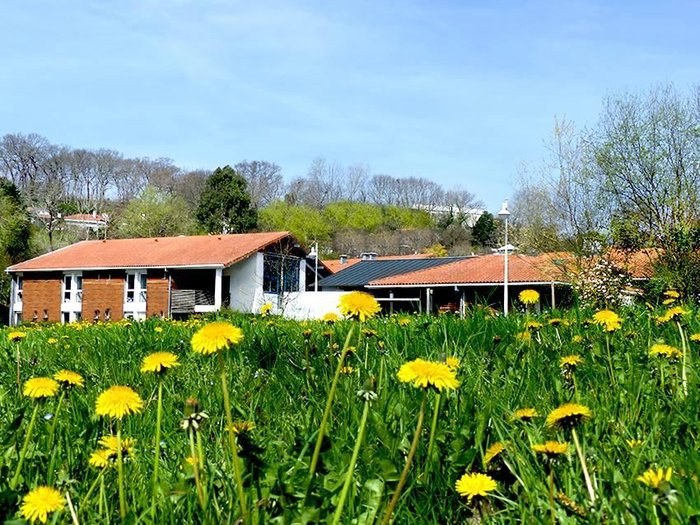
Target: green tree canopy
<point>15,233</point>
<point>484,230</point>
<point>306,223</point>
<point>225,205</point>
<point>156,214</point>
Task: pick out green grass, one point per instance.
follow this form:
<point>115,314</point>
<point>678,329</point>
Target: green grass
<point>279,378</point>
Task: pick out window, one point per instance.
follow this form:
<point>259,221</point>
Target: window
<point>19,283</point>
<point>280,273</point>
<point>136,287</point>
<point>72,288</point>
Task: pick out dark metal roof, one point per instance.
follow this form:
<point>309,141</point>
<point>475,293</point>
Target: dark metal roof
<point>364,272</point>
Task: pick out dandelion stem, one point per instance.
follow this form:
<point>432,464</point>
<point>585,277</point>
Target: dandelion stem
<point>19,382</point>
<point>329,405</point>
<point>23,453</point>
<point>582,459</point>
<point>195,467</point>
<point>156,459</point>
<point>73,515</point>
<point>232,441</point>
<point>351,467</point>
<point>551,495</point>
<point>55,419</point>
<point>433,431</point>
<point>684,349</point>
<point>86,498</point>
<point>120,472</point>
<point>610,363</point>
<point>407,466</point>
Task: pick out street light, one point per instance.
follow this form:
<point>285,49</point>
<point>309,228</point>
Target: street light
<point>314,253</point>
<point>504,214</point>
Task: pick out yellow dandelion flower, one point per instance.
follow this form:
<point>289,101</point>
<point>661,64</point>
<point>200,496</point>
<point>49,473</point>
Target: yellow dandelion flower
<point>243,427</point>
<point>471,485</point>
<point>158,329</point>
<point>190,460</point>
<point>695,338</point>
<point>568,415</point>
<point>551,448</point>
<point>330,317</point>
<point>424,374</point>
<point>403,321</point>
<point>358,305</point>
<point>110,448</point>
<point>634,443</point>
<point>493,451</point>
<point>672,294</point>
<point>452,362</point>
<point>39,387</point>
<point>525,337</point>
<point>524,414</point>
<point>570,361</point>
<point>577,339</point>
<point>69,378</point>
<point>529,296</point>
<point>265,309</point>
<point>347,370</point>
<point>533,325</point>
<point>672,314</point>
<point>118,401</point>
<point>40,502</point>
<point>608,319</point>
<point>554,321</point>
<point>668,351</point>
<point>16,336</point>
<point>52,340</point>
<point>216,336</point>
<point>654,478</point>
<point>159,362</point>
<point>99,459</point>
<point>668,301</point>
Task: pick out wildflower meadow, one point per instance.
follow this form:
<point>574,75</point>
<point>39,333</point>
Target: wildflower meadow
<point>577,416</point>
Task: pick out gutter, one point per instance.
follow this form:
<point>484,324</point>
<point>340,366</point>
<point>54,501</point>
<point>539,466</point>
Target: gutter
<point>444,285</point>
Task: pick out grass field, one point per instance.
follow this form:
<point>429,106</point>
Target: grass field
<point>645,414</point>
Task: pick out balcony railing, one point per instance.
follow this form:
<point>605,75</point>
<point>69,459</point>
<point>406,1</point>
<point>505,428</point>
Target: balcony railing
<point>184,301</point>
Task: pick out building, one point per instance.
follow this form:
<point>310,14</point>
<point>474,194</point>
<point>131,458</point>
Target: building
<point>166,277</point>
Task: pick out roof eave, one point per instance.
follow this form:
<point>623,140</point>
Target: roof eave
<point>438,285</point>
<point>103,268</point>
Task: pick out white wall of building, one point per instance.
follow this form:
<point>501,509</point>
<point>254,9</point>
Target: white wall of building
<point>310,305</point>
<point>246,284</point>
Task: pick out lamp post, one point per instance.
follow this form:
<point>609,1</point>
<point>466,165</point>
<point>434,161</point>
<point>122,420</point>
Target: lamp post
<point>314,254</point>
<point>504,214</point>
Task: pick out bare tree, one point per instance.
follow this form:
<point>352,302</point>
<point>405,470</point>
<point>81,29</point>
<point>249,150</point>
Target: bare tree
<point>383,189</point>
<point>265,182</point>
<point>191,184</point>
<point>355,183</point>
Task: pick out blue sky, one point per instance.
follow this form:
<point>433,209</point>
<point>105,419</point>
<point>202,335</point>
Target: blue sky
<point>462,93</point>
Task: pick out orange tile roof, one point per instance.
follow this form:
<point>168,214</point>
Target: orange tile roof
<point>334,265</point>
<point>86,217</point>
<point>487,269</point>
<point>199,250</point>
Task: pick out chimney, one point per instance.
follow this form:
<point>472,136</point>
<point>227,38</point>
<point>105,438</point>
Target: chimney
<point>343,259</point>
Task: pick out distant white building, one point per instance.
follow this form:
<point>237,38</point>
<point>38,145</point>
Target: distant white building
<point>471,214</point>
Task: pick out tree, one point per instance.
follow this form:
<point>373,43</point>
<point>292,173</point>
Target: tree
<point>535,228</point>
<point>15,232</point>
<point>265,183</point>
<point>305,222</point>
<point>484,231</point>
<point>156,214</point>
<point>225,205</point>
